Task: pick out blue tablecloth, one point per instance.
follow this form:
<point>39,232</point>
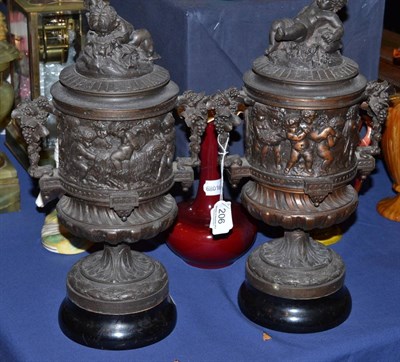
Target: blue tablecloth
<point>210,326</point>
<point>202,46</point>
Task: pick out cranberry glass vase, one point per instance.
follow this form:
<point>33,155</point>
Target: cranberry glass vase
<point>191,237</point>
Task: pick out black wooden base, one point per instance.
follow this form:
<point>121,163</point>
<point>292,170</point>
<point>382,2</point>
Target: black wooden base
<point>117,332</point>
<point>294,316</point>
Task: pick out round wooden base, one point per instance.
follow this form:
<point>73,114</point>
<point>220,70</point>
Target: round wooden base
<point>117,332</point>
<point>294,316</point>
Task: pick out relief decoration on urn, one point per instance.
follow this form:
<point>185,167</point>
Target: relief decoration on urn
<point>115,155</point>
<point>305,102</point>
<point>116,144</point>
<point>302,142</point>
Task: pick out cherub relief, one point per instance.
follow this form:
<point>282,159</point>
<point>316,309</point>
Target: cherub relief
<point>81,151</point>
<point>301,148</point>
<point>166,137</point>
<point>325,138</point>
<point>131,142</point>
<point>268,135</point>
<point>350,133</point>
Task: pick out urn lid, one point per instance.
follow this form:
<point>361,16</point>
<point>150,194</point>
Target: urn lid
<point>292,72</point>
<point>114,73</point>
<point>303,62</point>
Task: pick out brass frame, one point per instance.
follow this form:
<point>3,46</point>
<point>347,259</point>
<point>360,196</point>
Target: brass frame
<point>33,13</point>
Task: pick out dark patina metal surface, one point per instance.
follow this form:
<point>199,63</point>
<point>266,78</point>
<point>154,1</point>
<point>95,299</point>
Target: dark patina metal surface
<point>302,149</point>
<point>116,144</point>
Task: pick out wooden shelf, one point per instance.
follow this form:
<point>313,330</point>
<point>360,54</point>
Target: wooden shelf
<point>387,70</point>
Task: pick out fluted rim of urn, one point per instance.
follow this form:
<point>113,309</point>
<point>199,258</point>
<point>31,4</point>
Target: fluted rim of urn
<point>84,83</point>
<point>345,70</point>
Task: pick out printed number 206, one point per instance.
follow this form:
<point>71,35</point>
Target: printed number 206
<point>221,216</point>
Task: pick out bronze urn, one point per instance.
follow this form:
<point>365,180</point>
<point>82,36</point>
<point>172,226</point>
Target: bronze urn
<point>302,153</point>
<point>116,142</point>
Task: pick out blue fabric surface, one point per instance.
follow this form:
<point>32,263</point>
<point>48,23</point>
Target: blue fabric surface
<point>208,44</point>
<point>210,326</point>
<point>203,49</point>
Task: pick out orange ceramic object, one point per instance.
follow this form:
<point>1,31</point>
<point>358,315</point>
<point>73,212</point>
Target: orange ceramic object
<point>390,207</point>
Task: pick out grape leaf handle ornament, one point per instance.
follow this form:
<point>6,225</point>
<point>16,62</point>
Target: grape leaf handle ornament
<point>192,108</point>
<point>226,107</point>
<point>32,117</point>
<point>197,109</point>
<point>376,106</point>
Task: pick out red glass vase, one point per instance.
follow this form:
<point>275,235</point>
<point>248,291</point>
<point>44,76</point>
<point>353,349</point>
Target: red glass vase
<point>191,237</point>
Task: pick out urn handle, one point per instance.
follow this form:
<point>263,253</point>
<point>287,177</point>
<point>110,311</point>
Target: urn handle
<point>223,108</point>
<point>192,108</point>
<point>32,117</point>
<point>376,107</point>
<point>226,107</point>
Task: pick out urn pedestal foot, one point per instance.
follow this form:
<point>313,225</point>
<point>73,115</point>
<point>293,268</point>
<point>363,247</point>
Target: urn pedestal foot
<point>295,267</point>
<point>294,316</point>
<point>295,284</point>
<point>117,298</point>
<point>117,332</point>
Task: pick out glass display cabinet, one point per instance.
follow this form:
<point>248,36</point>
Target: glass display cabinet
<point>48,35</point>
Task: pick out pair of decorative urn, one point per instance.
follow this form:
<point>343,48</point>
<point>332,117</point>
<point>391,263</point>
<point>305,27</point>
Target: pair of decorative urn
<point>116,143</point>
